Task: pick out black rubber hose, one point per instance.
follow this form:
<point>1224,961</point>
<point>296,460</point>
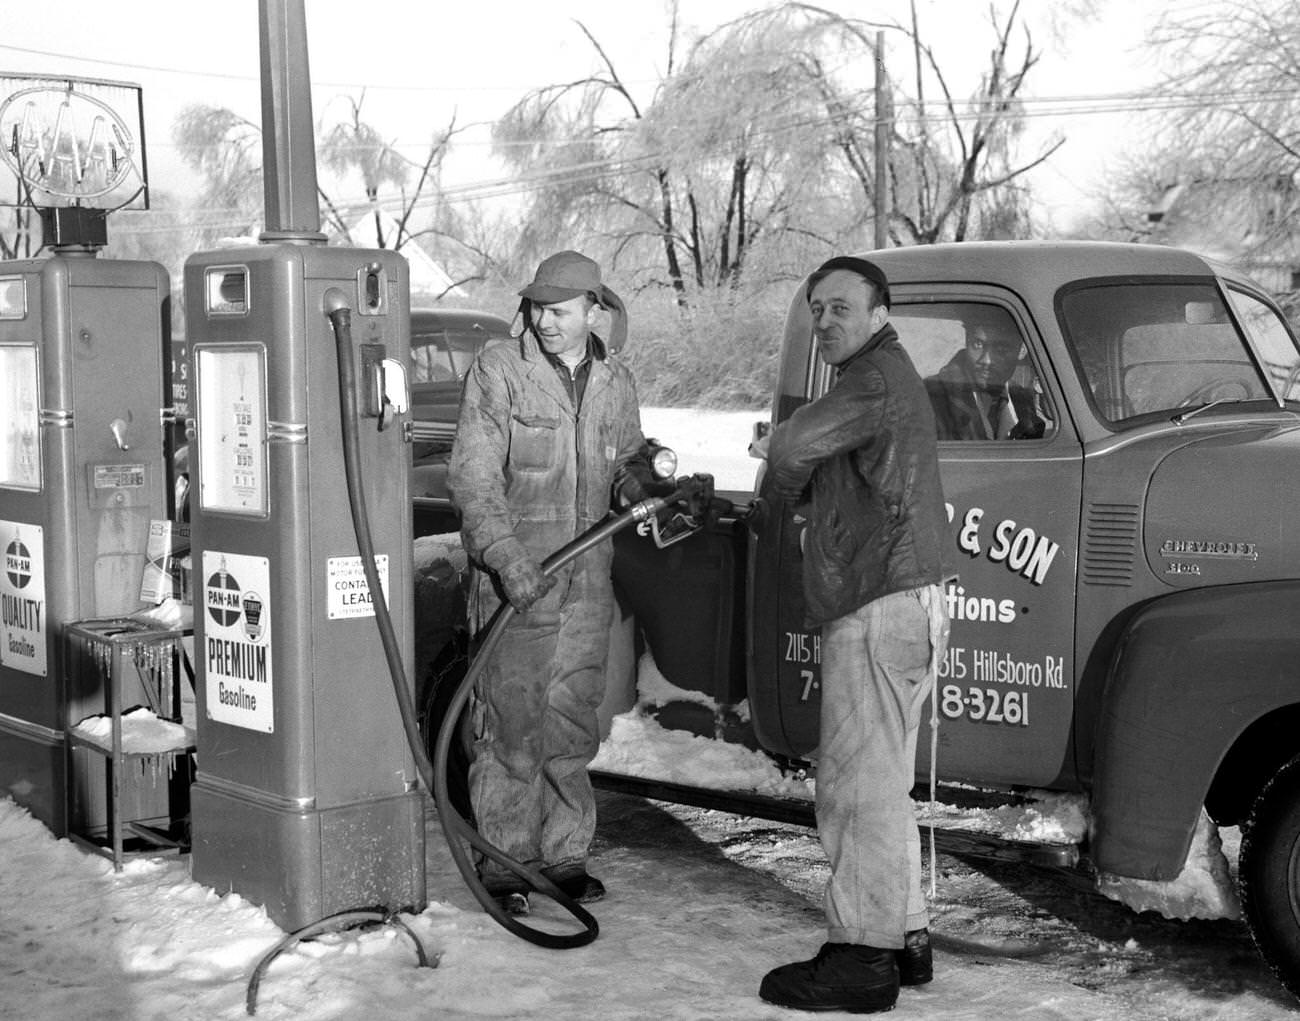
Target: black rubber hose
<point>453,824</point>
<point>434,777</point>
<point>343,920</point>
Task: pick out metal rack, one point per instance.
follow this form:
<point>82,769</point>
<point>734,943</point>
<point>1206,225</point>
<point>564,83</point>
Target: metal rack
<point>124,652</point>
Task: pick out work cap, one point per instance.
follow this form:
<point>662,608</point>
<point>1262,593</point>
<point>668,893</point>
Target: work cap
<point>567,275</point>
<point>563,276</point>
<point>869,271</point>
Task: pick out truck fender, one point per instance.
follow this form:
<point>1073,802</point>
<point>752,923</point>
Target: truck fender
<point>1190,673</point>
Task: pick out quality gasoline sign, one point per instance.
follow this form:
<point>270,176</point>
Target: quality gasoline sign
<point>22,598</point>
<point>237,640</point>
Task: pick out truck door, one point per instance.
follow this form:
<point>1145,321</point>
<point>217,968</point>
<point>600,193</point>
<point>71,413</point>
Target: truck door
<point>1012,471</point>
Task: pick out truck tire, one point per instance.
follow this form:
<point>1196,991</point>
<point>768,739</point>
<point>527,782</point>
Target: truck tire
<point>444,677</point>
<point>1269,874</point>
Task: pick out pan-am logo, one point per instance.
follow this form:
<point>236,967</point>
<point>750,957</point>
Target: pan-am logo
<point>224,599</point>
<point>18,564</point>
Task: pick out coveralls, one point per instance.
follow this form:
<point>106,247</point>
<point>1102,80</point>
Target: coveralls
<point>864,455</point>
<point>531,469</point>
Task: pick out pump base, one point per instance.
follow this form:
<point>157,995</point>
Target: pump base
<point>302,866</point>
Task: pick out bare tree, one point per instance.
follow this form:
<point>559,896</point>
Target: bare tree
<point>956,173</point>
<point>758,147</point>
<point>226,149</point>
<point>355,147</point>
<point>1234,81</point>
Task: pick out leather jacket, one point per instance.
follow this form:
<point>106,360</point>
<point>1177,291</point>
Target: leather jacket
<point>863,456</point>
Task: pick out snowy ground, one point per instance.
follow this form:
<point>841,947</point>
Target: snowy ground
<point>701,904</point>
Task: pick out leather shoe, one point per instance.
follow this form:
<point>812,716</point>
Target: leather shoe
<point>915,961</point>
<point>581,887</point>
<point>510,894</point>
<point>513,903</point>
<point>843,976</point>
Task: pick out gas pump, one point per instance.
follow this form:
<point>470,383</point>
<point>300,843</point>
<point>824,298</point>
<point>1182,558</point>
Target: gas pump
<point>306,799</point>
<point>81,439</point>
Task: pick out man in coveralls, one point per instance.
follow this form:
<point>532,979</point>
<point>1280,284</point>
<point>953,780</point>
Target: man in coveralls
<point>862,460</point>
<point>549,437</point>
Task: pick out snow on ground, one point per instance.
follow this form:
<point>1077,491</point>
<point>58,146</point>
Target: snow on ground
<point>691,924</point>
<point>689,928</point>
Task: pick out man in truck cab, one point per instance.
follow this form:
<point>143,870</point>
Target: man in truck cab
<point>978,394</point>
<point>861,464</point>
<point>549,434</point>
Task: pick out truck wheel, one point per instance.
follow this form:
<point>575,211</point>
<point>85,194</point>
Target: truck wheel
<point>1269,874</point>
<point>444,677</point>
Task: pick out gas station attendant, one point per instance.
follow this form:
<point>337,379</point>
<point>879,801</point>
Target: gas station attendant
<point>549,438</point>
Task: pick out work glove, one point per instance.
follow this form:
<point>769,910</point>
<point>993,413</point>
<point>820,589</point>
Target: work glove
<point>524,582</point>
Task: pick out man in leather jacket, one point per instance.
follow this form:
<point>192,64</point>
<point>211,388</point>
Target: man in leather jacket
<point>548,438</point>
<point>861,465</point>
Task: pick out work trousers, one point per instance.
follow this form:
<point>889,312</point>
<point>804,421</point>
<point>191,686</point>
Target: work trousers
<point>536,729</point>
<point>878,667</point>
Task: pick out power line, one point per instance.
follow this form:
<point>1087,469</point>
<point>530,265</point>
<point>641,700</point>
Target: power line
<point>1092,102</point>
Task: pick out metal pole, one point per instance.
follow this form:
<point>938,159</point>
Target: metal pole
<point>288,138</point>
<point>884,114</point>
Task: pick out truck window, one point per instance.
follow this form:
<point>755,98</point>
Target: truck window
<point>977,371</point>
<point>1273,340</point>
<point>1148,349</point>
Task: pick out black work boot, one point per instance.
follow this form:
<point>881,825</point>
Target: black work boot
<point>575,882</point>
<point>843,976</point>
<point>915,961</point>
<point>510,894</point>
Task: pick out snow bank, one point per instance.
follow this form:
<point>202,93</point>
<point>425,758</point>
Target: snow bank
<point>1204,889</point>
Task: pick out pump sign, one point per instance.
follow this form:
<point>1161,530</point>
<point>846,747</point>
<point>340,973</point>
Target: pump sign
<point>349,592</point>
<point>237,640</point>
<point>22,598</point>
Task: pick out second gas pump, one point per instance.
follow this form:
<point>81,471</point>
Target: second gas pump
<point>306,799</point>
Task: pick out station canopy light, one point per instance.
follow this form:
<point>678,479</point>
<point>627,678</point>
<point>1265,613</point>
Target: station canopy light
<point>71,142</point>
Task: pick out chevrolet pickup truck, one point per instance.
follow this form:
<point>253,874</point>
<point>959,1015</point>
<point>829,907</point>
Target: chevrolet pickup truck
<point>1124,612</point>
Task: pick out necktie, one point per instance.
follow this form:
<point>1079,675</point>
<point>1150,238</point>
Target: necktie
<point>1002,417</point>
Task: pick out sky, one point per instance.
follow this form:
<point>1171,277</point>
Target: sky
<point>424,63</point>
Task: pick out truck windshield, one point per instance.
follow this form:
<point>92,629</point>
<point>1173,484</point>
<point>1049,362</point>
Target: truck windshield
<point>1158,348</point>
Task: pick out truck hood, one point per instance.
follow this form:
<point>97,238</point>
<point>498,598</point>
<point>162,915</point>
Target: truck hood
<point>1223,509</point>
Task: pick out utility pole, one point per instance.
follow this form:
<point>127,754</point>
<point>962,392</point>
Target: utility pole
<point>884,117</point>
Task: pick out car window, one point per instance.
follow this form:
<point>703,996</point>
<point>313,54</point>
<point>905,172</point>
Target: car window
<point>977,369</point>
<point>1157,348</point>
<point>1273,341</point>
<point>443,356</point>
